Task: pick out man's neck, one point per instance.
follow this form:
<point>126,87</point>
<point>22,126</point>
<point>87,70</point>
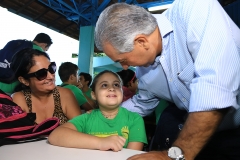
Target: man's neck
<point>85,88</point>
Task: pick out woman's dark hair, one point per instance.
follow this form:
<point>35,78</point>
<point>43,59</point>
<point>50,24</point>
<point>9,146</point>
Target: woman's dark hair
<point>23,60</point>
<point>95,80</point>
<point>127,76</point>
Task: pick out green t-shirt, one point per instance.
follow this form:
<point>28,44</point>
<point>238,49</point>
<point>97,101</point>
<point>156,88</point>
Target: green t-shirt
<point>88,93</point>
<point>77,93</point>
<point>159,109</point>
<point>127,124</point>
<point>37,47</point>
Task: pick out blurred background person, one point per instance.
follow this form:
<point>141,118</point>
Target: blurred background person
<point>86,79</point>
<point>130,83</point>
<point>68,73</point>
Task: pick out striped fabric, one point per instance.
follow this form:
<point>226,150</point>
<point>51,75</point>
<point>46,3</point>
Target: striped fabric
<point>199,66</point>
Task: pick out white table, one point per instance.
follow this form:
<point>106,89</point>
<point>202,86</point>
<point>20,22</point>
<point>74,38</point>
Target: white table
<point>42,150</point>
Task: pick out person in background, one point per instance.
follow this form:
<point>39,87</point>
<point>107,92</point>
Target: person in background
<point>110,127</point>
<point>41,42</point>
<point>130,83</point>
<point>86,79</point>
<point>38,93</point>
<point>68,73</point>
<point>187,58</point>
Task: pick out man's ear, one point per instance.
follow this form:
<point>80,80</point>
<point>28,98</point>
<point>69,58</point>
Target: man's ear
<point>141,41</point>
<point>23,81</point>
<point>71,77</point>
<point>87,82</point>
<point>93,95</point>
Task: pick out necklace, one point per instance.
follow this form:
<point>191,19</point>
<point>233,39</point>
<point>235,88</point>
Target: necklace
<point>109,116</point>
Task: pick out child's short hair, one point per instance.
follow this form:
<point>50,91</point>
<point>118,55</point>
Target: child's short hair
<point>66,69</point>
<point>87,77</point>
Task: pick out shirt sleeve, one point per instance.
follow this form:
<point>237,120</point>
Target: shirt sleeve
<point>142,103</point>
<point>137,131</point>
<point>210,37</point>
<point>79,122</point>
<point>145,102</point>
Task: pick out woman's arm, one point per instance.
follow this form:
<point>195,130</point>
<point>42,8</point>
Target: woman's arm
<point>135,146</point>
<point>19,99</point>
<point>67,135</point>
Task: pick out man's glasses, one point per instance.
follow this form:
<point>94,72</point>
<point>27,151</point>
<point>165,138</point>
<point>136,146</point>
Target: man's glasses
<point>42,73</point>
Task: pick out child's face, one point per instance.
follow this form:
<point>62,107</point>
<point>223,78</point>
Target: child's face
<point>108,91</point>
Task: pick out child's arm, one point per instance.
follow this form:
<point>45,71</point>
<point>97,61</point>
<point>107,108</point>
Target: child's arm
<point>135,145</point>
<point>67,135</point>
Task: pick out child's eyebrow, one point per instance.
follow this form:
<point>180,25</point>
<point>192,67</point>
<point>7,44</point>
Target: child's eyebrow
<point>102,82</point>
<point>108,82</point>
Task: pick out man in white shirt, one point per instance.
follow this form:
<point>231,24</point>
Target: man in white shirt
<point>189,55</point>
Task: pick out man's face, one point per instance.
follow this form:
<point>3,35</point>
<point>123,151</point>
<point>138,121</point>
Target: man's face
<point>137,57</point>
<point>146,48</point>
<point>82,80</point>
<point>45,47</point>
<point>75,79</point>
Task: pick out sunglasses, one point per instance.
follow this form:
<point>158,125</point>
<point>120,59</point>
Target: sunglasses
<point>42,73</point>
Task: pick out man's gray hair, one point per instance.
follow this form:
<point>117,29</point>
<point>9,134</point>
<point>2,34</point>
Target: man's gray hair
<point>120,23</point>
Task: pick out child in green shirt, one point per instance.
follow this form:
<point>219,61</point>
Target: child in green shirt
<point>110,127</point>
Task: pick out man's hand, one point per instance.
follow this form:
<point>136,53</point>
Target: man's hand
<point>114,143</point>
<point>153,155</point>
<point>79,85</point>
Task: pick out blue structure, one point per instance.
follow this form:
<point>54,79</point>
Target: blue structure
<point>85,14</point>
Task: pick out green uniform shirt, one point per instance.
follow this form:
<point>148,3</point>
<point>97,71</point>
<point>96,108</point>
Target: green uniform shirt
<point>37,47</point>
<point>88,93</point>
<point>77,93</point>
<point>127,124</point>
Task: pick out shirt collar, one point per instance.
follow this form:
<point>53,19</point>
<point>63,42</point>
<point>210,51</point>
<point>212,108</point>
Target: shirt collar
<point>164,24</point>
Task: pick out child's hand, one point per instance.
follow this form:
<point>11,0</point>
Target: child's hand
<point>114,143</point>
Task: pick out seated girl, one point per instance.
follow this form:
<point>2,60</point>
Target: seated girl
<point>110,127</point>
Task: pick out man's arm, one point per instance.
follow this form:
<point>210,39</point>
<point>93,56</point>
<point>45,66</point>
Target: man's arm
<point>197,130</point>
<point>90,101</point>
<point>86,106</point>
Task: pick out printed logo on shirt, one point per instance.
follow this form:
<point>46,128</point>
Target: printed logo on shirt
<point>104,134</point>
<point>125,132</point>
<point>5,65</point>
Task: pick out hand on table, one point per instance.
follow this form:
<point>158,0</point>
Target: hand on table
<point>114,143</point>
<point>153,155</point>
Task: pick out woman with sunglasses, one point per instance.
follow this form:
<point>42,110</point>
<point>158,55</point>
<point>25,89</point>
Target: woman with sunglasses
<point>130,83</point>
<point>39,93</point>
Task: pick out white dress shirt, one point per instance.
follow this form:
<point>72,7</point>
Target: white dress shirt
<point>199,66</point>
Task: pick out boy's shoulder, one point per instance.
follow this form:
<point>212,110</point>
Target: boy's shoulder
<point>130,114</point>
<point>71,87</point>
